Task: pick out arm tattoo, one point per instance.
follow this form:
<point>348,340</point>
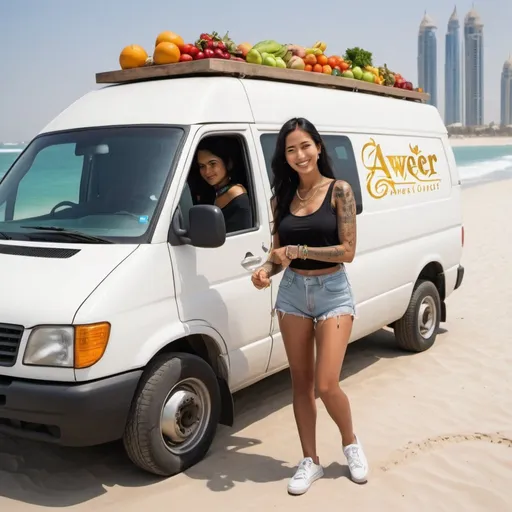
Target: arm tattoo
<point>272,268</point>
<point>346,218</point>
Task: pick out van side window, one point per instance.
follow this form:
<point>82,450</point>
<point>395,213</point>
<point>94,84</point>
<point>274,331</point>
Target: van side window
<point>221,174</point>
<point>339,148</point>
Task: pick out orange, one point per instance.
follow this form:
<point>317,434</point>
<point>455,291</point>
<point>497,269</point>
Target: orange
<point>310,59</point>
<point>327,70</point>
<point>308,67</point>
<point>318,68</point>
<point>322,59</point>
<point>166,53</point>
<point>133,56</point>
<point>170,37</point>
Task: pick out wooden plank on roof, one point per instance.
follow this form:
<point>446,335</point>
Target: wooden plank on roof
<point>220,67</point>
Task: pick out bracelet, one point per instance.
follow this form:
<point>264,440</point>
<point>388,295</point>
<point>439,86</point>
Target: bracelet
<point>304,251</point>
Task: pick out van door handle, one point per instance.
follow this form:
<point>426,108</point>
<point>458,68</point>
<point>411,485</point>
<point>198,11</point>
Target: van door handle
<point>250,262</point>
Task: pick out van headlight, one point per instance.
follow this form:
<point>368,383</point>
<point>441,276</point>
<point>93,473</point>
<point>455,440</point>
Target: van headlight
<point>66,346</point>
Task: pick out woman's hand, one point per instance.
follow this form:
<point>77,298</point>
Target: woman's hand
<point>260,278</point>
<point>284,255</point>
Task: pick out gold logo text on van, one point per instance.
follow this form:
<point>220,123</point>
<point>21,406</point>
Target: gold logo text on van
<point>399,174</point>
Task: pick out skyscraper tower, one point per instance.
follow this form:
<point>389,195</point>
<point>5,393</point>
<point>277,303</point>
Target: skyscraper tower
<point>452,73</point>
<point>506,93</point>
<point>427,58</point>
<point>474,69</point>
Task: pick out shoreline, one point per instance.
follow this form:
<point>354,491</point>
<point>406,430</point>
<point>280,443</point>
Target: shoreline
<point>459,142</point>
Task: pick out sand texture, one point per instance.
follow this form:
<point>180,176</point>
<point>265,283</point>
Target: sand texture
<point>480,141</point>
<point>436,426</point>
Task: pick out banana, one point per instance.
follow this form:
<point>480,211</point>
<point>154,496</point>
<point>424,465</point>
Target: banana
<point>288,56</point>
<point>282,51</point>
<point>321,45</point>
<point>372,70</point>
<point>314,51</point>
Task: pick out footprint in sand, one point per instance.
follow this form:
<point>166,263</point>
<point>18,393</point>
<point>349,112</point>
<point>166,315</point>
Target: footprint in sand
<point>432,443</point>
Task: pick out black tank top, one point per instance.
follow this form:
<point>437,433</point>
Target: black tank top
<point>318,229</point>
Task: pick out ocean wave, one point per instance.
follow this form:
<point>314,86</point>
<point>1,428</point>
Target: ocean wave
<point>482,170</point>
<point>11,150</point>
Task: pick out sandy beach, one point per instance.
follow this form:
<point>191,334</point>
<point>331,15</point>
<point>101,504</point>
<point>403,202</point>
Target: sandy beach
<point>480,141</point>
<point>436,426</point>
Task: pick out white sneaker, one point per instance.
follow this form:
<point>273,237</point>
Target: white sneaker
<point>306,474</point>
<point>357,463</point>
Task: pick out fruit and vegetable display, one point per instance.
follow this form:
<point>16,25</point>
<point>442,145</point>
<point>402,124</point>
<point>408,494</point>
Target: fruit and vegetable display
<point>356,63</point>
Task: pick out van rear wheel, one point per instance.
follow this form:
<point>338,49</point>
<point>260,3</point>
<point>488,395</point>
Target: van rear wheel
<point>174,415</point>
<point>417,330</point>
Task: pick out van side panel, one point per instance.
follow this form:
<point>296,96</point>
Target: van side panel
<point>340,110</point>
<point>411,217</point>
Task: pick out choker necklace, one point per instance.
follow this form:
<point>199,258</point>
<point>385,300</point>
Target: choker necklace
<point>222,190</point>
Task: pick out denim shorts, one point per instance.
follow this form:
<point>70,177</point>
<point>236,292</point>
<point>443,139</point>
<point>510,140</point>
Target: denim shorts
<point>316,297</point>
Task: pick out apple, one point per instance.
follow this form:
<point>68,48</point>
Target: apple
<point>357,72</point>
<point>368,77</point>
<point>269,60</point>
<point>347,74</point>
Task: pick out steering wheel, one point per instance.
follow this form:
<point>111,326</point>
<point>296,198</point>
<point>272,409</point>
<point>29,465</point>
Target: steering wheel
<point>62,203</point>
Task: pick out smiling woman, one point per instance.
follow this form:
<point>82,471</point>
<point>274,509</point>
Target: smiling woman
<point>222,177</point>
<point>314,236</point>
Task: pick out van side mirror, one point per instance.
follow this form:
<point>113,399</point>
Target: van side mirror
<point>206,227</point>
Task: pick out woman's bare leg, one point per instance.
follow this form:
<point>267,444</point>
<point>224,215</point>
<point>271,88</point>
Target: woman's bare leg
<point>332,337</point>
<point>298,339</point>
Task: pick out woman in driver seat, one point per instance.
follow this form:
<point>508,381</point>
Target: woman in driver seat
<point>217,170</point>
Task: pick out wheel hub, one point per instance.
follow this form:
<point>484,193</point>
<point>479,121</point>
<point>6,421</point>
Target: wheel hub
<point>180,415</point>
<point>427,317</point>
<point>185,415</point>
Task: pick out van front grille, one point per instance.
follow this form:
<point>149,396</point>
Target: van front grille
<point>10,338</point>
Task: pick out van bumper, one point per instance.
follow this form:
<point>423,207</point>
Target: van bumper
<point>67,414</point>
<point>460,276</point>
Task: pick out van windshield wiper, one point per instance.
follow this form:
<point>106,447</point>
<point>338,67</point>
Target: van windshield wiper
<point>75,235</point>
<point>5,236</point>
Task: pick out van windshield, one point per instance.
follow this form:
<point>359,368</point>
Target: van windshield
<point>88,186</point>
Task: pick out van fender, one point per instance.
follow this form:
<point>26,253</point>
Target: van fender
<point>431,268</point>
<point>202,339</point>
<point>174,332</point>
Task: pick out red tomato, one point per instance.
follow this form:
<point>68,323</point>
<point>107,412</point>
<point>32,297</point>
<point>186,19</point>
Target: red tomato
<point>332,61</point>
<point>185,57</point>
<point>194,50</point>
<point>199,56</point>
<point>187,48</point>
<point>219,53</point>
<point>209,54</point>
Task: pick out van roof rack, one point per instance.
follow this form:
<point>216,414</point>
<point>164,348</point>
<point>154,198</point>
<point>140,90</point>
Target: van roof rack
<point>220,67</point>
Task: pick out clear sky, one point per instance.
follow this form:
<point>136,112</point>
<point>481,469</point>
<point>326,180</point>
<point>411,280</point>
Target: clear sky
<point>53,48</point>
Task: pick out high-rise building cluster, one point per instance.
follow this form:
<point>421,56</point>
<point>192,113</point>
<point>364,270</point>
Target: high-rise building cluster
<point>463,70</point>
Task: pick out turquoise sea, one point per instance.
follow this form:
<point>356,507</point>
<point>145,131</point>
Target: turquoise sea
<point>476,164</point>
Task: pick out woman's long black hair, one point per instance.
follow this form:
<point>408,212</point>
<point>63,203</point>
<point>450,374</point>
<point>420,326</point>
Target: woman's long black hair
<point>285,180</point>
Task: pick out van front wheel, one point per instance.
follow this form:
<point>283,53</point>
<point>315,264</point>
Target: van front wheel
<point>174,415</point>
<point>417,330</point>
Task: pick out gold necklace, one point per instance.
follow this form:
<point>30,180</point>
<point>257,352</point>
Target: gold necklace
<point>306,200</point>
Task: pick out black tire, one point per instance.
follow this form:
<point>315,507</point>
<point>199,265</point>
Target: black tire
<point>143,440</point>
<point>407,329</point>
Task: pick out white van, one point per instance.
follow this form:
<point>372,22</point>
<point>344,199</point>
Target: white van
<point>126,310</point>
